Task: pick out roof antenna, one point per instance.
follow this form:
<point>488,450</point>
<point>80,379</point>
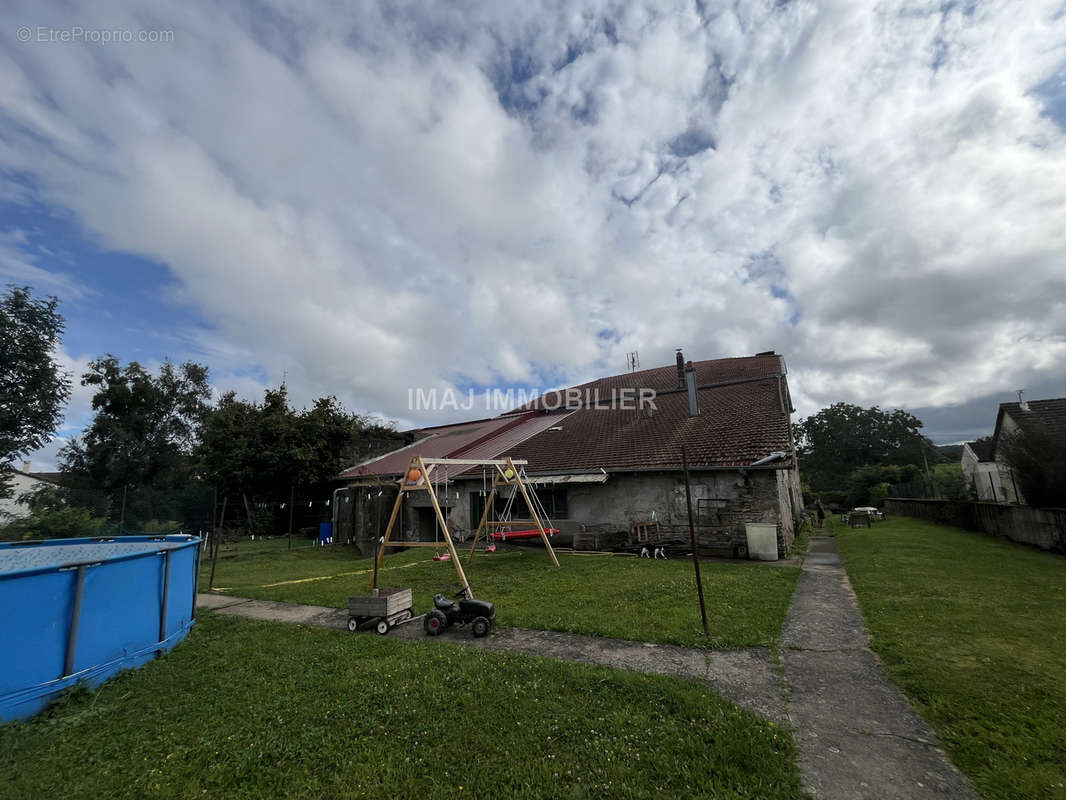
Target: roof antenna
<point>1022,404</point>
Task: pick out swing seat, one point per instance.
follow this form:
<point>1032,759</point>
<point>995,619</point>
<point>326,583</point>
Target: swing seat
<point>442,557</point>
<point>491,548</point>
<point>531,533</point>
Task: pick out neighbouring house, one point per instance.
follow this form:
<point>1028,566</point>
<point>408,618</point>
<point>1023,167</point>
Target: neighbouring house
<point>990,479</point>
<point>606,456</point>
<point>22,482</point>
<point>1042,419</point>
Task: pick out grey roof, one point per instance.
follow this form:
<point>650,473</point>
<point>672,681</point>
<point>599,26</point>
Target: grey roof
<point>982,448</point>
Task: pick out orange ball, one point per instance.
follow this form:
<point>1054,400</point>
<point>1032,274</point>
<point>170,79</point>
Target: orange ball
<point>414,475</point>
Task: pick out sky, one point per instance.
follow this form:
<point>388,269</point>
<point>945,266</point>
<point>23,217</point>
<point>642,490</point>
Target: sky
<point>359,198</point>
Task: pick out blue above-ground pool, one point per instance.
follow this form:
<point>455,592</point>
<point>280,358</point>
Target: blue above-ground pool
<point>80,610</point>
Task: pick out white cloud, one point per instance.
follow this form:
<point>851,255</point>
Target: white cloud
<point>18,267</point>
<point>442,195</point>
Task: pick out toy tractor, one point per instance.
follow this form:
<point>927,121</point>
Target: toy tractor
<point>479,614</point>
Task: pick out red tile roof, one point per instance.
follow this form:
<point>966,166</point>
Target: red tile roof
<point>737,425</point>
<point>664,379</point>
<point>744,409</point>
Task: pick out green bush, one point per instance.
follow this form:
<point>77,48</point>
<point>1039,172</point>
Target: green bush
<point>878,493</point>
<point>51,517</point>
<point>59,523</point>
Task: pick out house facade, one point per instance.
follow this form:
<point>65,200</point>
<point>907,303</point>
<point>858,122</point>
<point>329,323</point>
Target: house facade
<point>991,479</point>
<point>22,482</point>
<point>1041,420</point>
<point>605,456</point>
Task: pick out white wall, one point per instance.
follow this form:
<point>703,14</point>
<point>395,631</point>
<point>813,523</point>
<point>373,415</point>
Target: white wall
<point>22,483</point>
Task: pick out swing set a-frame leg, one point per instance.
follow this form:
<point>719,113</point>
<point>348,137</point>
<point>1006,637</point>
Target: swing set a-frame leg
<point>388,533</point>
<point>444,529</point>
<point>533,512</point>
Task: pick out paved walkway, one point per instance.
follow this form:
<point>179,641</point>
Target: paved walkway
<point>744,676</point>
<point>857,735</point>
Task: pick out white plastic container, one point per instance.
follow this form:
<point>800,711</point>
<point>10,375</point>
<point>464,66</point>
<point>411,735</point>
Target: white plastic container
<point>762,540</point>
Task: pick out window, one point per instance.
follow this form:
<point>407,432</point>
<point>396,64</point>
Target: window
<point>553,500</point>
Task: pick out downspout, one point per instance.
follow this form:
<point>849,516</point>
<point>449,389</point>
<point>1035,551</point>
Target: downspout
<point>336,514</point>
<point>776,455</point>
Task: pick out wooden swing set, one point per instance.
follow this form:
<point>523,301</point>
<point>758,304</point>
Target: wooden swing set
<point>418,478</point>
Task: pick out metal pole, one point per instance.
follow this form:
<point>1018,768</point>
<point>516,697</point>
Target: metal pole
<point>75,619</point>
<point>166,598</point>
<point>692,536</point>
<point>218,541</point>
<point>928,475</point>
<point>292,509</point>
<point>196,574</point>
<point>122,513</point>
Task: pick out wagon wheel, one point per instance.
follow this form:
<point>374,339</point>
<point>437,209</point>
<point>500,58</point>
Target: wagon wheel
<point>353,624</point>
<point>383,627</point>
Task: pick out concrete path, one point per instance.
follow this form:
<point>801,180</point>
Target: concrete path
<point>857,735</point>
<point>744,676</point>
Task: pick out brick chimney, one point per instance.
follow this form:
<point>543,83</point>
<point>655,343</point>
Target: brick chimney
<point>680,369</point>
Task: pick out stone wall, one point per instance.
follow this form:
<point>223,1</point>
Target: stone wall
<point>603,513</point>
<point>1041,527</point>
<point>722,502</point>
<point>362,521</point>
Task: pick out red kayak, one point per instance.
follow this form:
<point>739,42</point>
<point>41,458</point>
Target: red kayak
<point>532,533</point>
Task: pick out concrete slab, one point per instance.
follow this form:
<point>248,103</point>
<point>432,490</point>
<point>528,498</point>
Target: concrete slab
<point>857,735</point>
<point>273,611</point>
<point>217,601</point>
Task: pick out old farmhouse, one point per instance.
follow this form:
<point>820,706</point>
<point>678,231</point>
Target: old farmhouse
<point>606,456</point>
<point>984,462</point>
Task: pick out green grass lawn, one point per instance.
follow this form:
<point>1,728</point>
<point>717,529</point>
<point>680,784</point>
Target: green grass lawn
<point>974,631</point>
<point>246,709</point>
<point>628,598</point>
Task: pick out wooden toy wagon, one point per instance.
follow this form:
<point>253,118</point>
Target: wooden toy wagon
<point>387,606</point>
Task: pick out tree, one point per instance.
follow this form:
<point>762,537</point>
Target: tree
<point>51,517</point>
<point>843,437</point>
<point>143,433</point>
<point>1038,458</point>
<point>33,387</point>
<point>261,450</point>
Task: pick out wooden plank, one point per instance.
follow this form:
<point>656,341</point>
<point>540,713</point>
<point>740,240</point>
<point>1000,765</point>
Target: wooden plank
<point>395,543</point>
<point>388,533</point>
<point>471,462</point>
<point>533,511</point>
<point>387,602</point>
